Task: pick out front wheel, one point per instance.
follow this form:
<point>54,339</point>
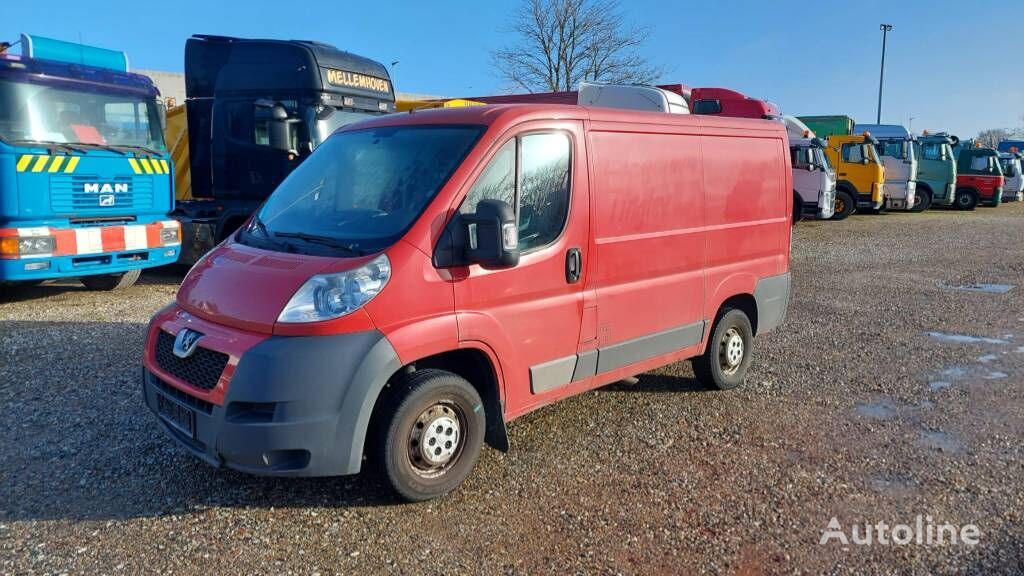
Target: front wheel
<point>843,205</point>
<point>966,199</point>
<point>726,359</point>
<point>922,202</point>
<point>432,432</point>
<point>108,282</point>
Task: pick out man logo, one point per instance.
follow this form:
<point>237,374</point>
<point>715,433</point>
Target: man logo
<point>107,199</point>
<point>106,188</point>
<point>185,342</point>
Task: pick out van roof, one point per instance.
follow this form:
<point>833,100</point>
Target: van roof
<point>493,114</point>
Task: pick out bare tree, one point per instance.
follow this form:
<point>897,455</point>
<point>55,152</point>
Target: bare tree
<point>993,136</point>
<point>563,42</point>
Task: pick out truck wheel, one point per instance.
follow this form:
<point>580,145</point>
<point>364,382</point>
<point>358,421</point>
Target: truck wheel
<point>725,361</point>
<point>431,433</point>
<point>798,209</point>
<point>843,205</point>
<point>966,199</point>
<point>107,282</point>
<point>922,202</point>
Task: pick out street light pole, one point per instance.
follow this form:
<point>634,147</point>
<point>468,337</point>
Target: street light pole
<point>885,28</point>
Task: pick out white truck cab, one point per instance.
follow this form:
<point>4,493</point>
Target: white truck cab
<point>631,97</point>
<point>1013,189</point>
<point>896,147</point>
<point>814,178</point>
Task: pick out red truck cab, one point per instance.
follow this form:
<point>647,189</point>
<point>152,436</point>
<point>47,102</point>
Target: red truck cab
<point>725,102</point>
<point>423,279</point>
<point>979,178</point>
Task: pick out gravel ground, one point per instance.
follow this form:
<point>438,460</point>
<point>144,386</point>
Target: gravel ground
<point>855,409</point>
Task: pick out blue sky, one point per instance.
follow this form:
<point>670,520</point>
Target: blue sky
<point>948,63</point>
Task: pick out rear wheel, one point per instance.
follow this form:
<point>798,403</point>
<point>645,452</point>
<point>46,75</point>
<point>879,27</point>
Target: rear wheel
<point>430,434</point>
<point>922,201</point>
<point>725,361</point>
<point>798,208</point>
<point>966,199</point>
<point>107,282</point>
<point>843,205</point>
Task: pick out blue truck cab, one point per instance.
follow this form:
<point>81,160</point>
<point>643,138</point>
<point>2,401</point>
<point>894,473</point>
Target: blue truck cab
<point>86,182</point>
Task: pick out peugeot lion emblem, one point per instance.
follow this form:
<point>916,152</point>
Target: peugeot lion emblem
<point>185,342</point>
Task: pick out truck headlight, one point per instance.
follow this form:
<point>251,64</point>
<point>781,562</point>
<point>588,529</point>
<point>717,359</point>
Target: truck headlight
<point>27,246</point>
<point>328,296</point>
<point>170,236</point>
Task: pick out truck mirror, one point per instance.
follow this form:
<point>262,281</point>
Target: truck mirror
<point>279,129</point>
<point>864,161</point>
<point>493,235</point>
<point>324,113</point>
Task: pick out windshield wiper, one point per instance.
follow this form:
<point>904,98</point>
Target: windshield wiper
<point>61,146</point>
<point>324,240</point>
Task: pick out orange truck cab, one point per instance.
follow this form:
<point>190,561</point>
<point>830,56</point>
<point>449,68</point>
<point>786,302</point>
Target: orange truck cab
<point>423,279</point>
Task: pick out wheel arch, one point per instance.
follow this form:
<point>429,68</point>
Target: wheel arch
<point>473,362</point>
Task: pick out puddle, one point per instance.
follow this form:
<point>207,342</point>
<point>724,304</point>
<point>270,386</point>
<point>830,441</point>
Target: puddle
<point>1020,349</point>
<point>964,338</point>
<point>939,385</point>
<point>987,358</point>
<point>995,375</point>
<point>877,410</point>
<point>954,372</point>
<point>979,287</point>
<point>942,442</point>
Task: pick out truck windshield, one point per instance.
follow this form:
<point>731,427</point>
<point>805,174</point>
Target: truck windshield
<point>361,190</point>
<point>821,159</point>
<point>31,111</point>
<point>1009,166</point>
<point>900,149</point>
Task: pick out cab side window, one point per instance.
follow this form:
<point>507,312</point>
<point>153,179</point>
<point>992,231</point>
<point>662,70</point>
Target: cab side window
<point>531,174</point>
<point>853,153</point>
<point>799,157</point>
<point>932,151</point>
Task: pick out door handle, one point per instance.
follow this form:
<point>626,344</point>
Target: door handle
<point>573,265</point>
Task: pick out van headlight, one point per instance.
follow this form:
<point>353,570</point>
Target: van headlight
<point>328,296</point>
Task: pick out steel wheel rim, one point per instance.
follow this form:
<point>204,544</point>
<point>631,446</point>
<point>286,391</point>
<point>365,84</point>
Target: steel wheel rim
<point>437,439</point>
<point>840,206</point>
<point>731,351</point>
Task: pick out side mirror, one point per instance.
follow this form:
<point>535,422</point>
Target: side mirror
<point>864,161</point>
<point>493,235</point>
<point>279,128</point>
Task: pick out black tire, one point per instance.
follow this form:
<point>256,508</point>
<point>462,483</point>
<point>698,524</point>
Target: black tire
<point>798,209</point>
<point>844,205</point>
<point>719,366</point>
<point>108,282</point>
<point>922,201</point>
<point>425,409</point>
<point>966,199</point>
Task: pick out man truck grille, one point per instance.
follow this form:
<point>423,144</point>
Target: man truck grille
<point>202,369</point>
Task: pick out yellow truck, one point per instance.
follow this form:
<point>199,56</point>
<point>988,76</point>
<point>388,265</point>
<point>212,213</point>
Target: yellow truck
<point>404,105</point>
<point>176,135</point>
<point>860,176</point>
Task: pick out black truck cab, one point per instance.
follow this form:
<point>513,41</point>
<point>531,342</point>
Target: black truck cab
<point>256,109</point>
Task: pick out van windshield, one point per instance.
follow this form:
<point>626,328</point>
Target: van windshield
<point>360,191</point>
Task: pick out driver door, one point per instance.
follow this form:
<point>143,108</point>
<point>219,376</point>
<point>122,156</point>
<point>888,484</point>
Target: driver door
<point>530,315</point>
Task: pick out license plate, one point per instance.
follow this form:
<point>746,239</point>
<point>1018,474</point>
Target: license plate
<point>183,419</point>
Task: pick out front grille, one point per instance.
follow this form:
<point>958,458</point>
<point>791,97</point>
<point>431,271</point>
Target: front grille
<point>68,193</point>
<point>202,369</point>
<point>187,399</point>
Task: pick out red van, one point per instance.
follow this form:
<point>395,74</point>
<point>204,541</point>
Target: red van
<point>423,279</point>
